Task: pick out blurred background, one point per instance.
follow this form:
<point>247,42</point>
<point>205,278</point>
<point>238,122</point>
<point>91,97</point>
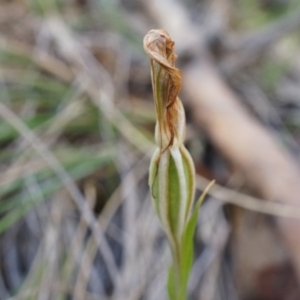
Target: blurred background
<point>76,136</point>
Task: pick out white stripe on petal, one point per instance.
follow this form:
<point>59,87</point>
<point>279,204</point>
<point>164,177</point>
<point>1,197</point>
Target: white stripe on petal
<point>175,152</point>
<point>163,188</point>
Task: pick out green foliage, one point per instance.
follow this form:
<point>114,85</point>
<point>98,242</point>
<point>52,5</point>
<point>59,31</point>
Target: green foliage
<point>253,14</point>
<point>178,292</point>
<point>113,17</point>
<point>78,165</point>
<point>272,72</point>
<point>42,7</point>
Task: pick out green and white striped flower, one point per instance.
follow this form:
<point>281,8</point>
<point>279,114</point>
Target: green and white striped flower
<point>171,180</point>
<point>172,174</point>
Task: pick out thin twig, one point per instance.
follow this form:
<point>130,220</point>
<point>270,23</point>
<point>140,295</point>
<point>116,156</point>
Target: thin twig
<point>248,202</point>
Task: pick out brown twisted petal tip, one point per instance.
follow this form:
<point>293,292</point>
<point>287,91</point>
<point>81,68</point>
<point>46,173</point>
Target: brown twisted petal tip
<point>158,45</point>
